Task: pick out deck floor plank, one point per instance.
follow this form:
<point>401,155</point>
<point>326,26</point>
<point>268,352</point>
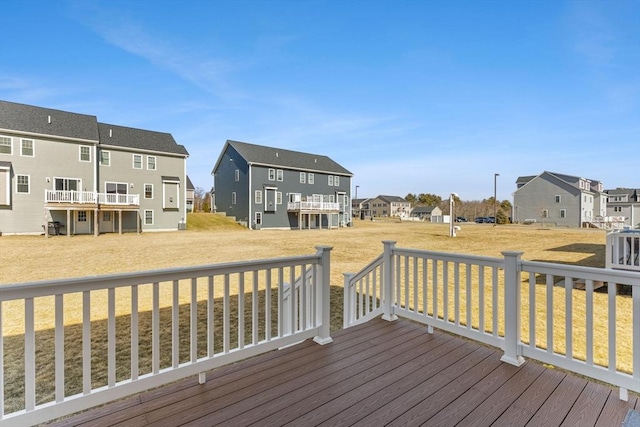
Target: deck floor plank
<point>377,373</point>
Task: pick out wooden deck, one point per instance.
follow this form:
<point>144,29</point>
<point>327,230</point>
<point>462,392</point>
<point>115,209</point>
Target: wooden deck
<point>379,373</point>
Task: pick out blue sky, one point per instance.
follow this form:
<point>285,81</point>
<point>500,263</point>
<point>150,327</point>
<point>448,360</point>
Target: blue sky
<point>410,96</point>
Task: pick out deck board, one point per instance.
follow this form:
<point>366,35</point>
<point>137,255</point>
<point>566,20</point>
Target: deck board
<point>377,373</point>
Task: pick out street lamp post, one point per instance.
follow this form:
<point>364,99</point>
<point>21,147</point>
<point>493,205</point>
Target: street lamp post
<point>452,228</point>
<point>495,200</point>
<point>357,202</point>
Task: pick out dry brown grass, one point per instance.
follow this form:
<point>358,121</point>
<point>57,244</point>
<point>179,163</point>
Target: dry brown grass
<point>26,259</point>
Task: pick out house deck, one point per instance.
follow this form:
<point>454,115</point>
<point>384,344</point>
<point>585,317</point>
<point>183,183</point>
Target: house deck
<point>377,373</point>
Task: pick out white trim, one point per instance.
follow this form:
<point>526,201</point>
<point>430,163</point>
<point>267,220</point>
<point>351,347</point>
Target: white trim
<point>108,158</point>
<point>10,145</point>
<point>80,153</point>
<point>133,161</point>
<point>155,163</point>
<point>48,136</point>
<point>33,147</point>
<point>28,184</point>
<point>144,190</point>
<point>152,217</point>
<point>79,180</point>
<point>140,150</point>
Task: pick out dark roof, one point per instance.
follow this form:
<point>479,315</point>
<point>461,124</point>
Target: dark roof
<point>45,121</point>
<point>120,136</point>
<point>4,164</point>
<point>278,157</point>
<point>170,178</point>
<point>390,199</point>
<point>569,182</point>
<point>423,209</point>
<point>190,184</point>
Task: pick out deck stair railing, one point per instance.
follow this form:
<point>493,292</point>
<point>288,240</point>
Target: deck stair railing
<point>544,311</point>
<point>623,250</point>
<point>115,335</point>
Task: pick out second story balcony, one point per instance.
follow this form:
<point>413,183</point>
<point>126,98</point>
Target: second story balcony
<point>59,197</point>
<point>312,206</point>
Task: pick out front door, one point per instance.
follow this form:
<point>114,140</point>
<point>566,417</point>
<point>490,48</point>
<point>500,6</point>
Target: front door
<point>106,222</point>
<point>83,222</point>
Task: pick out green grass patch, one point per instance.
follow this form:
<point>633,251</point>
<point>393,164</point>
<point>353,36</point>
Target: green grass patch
<point>211,222</point>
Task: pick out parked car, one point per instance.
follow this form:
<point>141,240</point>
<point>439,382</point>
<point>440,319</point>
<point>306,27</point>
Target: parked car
<point>490,219</point>
<point>481,219</point>
<point>461,219</point>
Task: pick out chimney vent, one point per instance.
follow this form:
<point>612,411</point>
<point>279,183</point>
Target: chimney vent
<point>49,119</point>
<point>110,133</point>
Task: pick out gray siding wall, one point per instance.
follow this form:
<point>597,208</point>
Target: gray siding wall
<point>225,184</point>
<point>52,159</point>
<point>538,195</point>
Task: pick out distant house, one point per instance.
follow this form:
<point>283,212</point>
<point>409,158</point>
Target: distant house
<point>360,208</point>
<point>383,206</point>
<point>559,199</point>
<point>190,194</point>
<point>624,203</point>
<point>65,172</point>
<point>428,213</point>
<point>266,187</point>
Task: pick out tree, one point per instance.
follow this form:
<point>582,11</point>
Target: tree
<point>198,199</point>
<point>501,217</point>
<point>429,199</point>
<point>411,198</point>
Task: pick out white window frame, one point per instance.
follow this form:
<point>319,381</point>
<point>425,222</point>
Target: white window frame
<point>234,198</point>
<point>563,213</point>
<point>545,213</point>
<point>126,187</point>
<point>336,181</point>
<point>617,208</point>
<point>33,147</point>
<point>258,218</point>
<point>28,183</point>
<point>145,191</point>
<point>258,197</point>
<point>88,153</point>
<point>303,177</point>
<point>558,198</point>
<point>271,174</point>
<point>330,180</point>
<point>3,143</point>
<point>279,175</point>
<point>139,157</point>
<point>105,158</point>
<point>146,218</point>
<point>155,163</point>
<point>236,175</point>
<point>311,178</point>
<point>82,216</point>
<point>278,197</point>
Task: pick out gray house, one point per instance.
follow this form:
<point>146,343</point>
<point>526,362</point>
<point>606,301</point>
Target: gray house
<point>623,204</point>
<point>428,213</point>
<point>265,187</point>
<point>64,172</point>
<point>559,199</point>
<point>384,206</point>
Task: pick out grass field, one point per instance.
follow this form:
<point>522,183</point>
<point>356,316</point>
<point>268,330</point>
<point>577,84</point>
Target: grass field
<point>213,239</point>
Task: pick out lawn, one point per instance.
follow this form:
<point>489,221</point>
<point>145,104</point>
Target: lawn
<point>212,240</point>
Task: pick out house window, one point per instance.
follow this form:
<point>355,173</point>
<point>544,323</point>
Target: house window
<point>105,158</point>
<point>85,153</point>
<point>258,218</point>
<point>563,213</point>
<point>67,184</point>
<point>258,197</point>
<point>115,187</point>
<point>151,163</point>
<point>148,191</point>
<point>330,181</point>
<point>279,175</point>
<point>272,174</point>
<point>82,216</point>
<point>558,198</point>
<point>237,175</point>
<point>303,177</point>
<point>545,213</point>
<point>311,178</point>
<point>336,181</point>
<point>106,216</point>
<point>617,208</point>
<point>278,197</point>
<point>137,161</point>
<point>233,198</point>
<point>27,148</point>
<point>148,217</point>
<point>22,184</point>
<point>5,145</point>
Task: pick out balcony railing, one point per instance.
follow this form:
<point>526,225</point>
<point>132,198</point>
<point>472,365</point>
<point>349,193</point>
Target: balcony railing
<point>90,197</point>
<point>159,326</point>
<point>313,206</point>
<point>623,250</point>
<point>547,312</point>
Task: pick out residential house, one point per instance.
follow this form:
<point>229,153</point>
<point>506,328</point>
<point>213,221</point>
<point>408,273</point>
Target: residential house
<point>190,195</point>
<point>266,187</point>
<point>66,172</point>
<point>360,208</point>
<point>559,199</point>
<point>382,206</point>
<point>428,213</point>
<point>624,203</point>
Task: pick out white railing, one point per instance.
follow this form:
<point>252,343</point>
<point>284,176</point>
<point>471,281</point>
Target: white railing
<point>89,197</point>
<point>548,312</point>
<point>154,328</point>
<point>118,199</point>
<point>623,250</point>
<point>313,206</point>
<point>65,196</point>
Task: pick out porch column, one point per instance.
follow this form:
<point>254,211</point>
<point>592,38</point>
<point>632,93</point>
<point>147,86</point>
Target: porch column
<point>46,223</point>
<point>323,294</point>
<point>68,223</point>
<point>119,221</point>
<point>95,223</point>
<point>138,219</point>
<point>512,312</point>
<point>387,297</point>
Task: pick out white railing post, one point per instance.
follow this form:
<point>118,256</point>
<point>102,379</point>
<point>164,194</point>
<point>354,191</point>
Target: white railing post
<point>323,296</point>
<point>388,286</point>
<point>512,312</point>
<point>348,310</point>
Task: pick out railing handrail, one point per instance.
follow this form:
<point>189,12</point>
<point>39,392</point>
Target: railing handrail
<point>306,316</point>
<point>73,196</point>
<point>418,289</point>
